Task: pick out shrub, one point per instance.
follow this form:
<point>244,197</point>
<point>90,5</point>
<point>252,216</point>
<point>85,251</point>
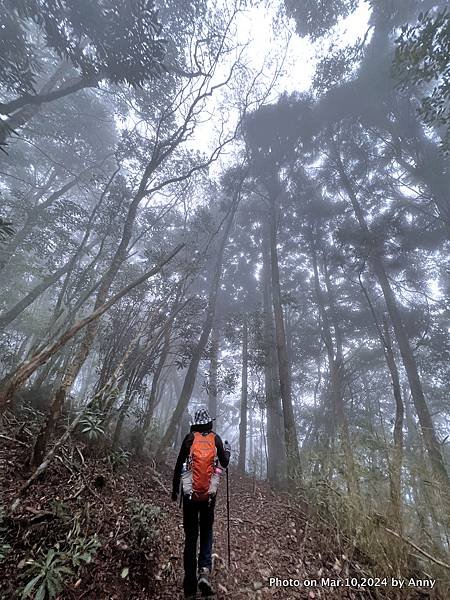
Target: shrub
<point>49,571</point>
<point>47,574</point>
<point>91,426</point>
<point>144,520</point>
<point>119,459</point>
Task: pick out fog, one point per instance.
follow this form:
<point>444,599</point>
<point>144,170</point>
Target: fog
<point>244,207</point>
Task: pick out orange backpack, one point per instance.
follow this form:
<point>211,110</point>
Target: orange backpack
<point>202,461</point>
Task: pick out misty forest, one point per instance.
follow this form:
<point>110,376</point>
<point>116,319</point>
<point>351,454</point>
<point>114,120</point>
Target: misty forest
<point>241,206</point>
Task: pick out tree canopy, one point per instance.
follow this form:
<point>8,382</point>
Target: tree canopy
<point>188,219</point>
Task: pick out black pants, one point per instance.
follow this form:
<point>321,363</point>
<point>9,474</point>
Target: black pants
<point>195,515</point>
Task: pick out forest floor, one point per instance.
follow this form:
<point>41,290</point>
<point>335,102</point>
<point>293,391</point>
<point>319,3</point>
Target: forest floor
<point>271,534</point>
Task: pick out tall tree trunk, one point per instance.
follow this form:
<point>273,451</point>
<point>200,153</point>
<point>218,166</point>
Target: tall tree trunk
<point>44,434</point>
<point>409,361</point>
<point>213,371</point>
<point>337,394</point>
<point>332,305</point>
<point>292,449</point>
<point>276,447</point>
<point>251,441</point>
<point>244,398</point>
<point>151,403</point>
<point>44,374</point>
<point>337,372</point>
<point>123,413</point>
<point>189,380</point>
<point>395,466</point>
<point>397,455</point>
<point>425,497</point>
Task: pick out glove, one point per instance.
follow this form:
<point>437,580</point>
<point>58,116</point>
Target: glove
<point>227,447</point>
<point>174,496</point>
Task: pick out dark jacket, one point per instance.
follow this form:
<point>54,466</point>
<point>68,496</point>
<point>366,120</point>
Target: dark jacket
<point>222,454</point>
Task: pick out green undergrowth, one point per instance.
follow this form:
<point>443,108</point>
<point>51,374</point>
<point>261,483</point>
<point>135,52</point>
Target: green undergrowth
<point>367,537</point>
<point>75,523</point>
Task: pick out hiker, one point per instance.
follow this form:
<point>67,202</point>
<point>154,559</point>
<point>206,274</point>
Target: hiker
<point>198,469</point>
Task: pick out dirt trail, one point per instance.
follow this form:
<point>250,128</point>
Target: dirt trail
<point>270,536</point>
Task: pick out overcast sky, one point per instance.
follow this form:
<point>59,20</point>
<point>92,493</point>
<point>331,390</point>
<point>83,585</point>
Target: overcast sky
<point>266,47</point>
<point>256,25</point>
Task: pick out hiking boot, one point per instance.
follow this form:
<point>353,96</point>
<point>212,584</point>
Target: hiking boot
<point>204,583</point>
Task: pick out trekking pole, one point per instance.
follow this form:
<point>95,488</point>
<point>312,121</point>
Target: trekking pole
<point>228,520</point>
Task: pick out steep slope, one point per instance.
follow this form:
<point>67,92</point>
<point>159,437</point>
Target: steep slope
<point>140,534</point>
